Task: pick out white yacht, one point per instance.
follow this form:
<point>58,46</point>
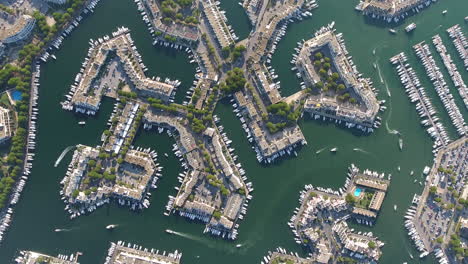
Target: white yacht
<point>110,227</point>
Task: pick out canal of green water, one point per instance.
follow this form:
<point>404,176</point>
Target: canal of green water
<point>277,186</point>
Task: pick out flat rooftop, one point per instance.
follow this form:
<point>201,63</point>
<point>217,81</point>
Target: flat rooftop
<point>120,254</point>
<point>31,257</point>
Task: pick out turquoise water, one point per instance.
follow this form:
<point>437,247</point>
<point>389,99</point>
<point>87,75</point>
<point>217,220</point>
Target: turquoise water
<point>16,95</point>
<point>357,192</point>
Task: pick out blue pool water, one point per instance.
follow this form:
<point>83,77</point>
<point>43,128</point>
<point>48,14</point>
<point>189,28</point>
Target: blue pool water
<point>357,192</point>
<point>16,95</point>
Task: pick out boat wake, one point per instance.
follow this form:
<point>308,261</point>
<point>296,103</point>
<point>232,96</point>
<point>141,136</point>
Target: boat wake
<point>380,74</point>
<point>64,152</point>
<point>361,150</point>
<point>320,150</point>
<point>62,230</point>
<point>188,236</point>
<point>391,131</point>
<point>388,90</point>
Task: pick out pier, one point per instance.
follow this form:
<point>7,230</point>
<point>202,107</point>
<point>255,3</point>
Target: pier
<point>424,54</point>
<point>452,69</point>
<point>460,42</point>
<point>424,107</point>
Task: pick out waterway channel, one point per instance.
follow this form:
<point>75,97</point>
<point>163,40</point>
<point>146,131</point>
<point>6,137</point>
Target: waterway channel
<point>277,186</point>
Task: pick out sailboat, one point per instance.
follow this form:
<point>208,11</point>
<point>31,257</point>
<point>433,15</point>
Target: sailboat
<point>400,143</point>
<point>334,150</point>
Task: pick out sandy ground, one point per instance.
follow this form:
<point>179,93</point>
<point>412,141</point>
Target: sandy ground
<point>50,21</point>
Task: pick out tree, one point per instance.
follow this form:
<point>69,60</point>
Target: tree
<point>350,199</point>
<point>318,55</point>
<point>432,190</point>
<point>91,163</point>
<point>225,52</point>
<point>319,85</point>
<point>323,72</point>
<point>371,244</point>
<point>335,76</point>
<point>217,214</point>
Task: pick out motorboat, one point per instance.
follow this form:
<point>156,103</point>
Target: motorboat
<point>82,123</point>
<point>170,231</point>
<point>334,150</point>
<point>410,27</point>
<point>110,227</point>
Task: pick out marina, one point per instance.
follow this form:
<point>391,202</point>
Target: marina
<point>424,107</point>
<point>336,103</point>
<point>392,11</point>
<point>433,71</point>
<point>460,42</point>
<point>452,69</point>
<point>265,208</point>
<point>359,199</point>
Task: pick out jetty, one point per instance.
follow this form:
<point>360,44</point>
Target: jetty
<point>424,107</point>
<point>461,43</point>
<point>438,80</point>
<point>457,79</point>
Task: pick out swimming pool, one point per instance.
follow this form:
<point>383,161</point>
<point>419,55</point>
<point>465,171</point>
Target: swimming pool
<point>357,192</point>
<point>16,95</point>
